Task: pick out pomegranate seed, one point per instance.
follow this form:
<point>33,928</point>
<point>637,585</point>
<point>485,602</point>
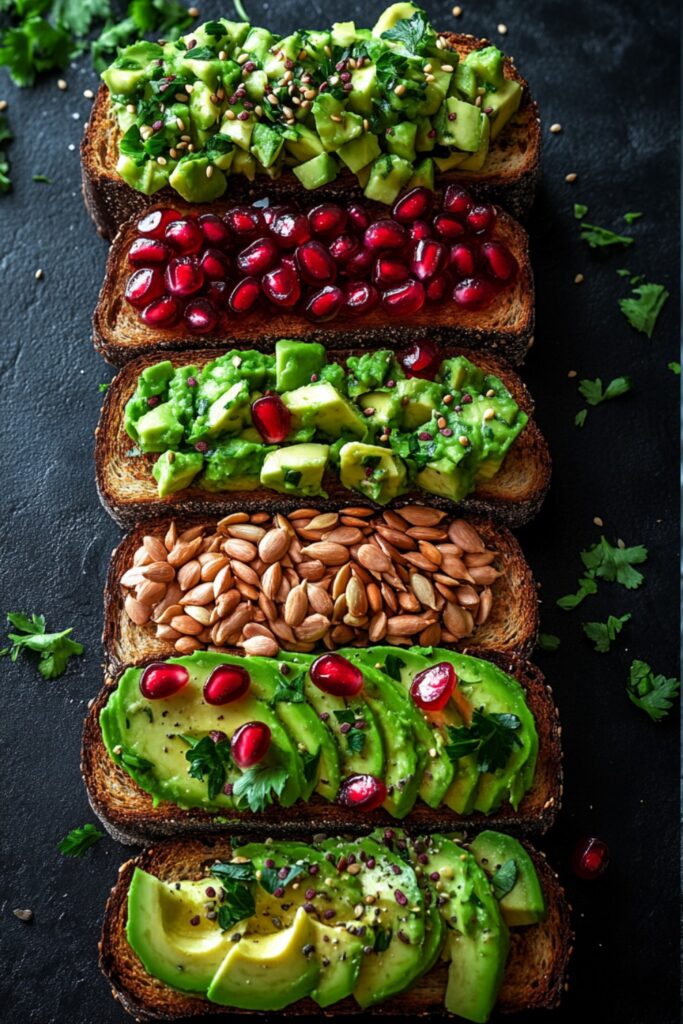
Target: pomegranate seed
<point>184,276</point>
<point>364,792</point>
<point>250,744</point>
<point>438,287</point>
<point>245,295</point>
<point>161,680</point>
<point>153,224</point>
<point>481,219</point>
<point>325,304</point>
<point>332,673</point>
<point>218,293</point>
<point>412,205</point>
<point>184,236</point>
<point>146,251</point>
<point>144,286</point>
<point>463,260</point>
<point>343,248</point>
<point>315,263</point>
<point>419,230</point>
<point>405,299</point>
<point>269,213</point>
<point>327,219</point>
<point>420,360</point>
<point>358,216</point>
<point>163,312</point>
<point>281,285</point>
<point>214,264</point>
<point>290,229</point>
<point>215,230</point>
<point>385,234</point>
<point>272,418</point>
<point>258,257</point>
<point>360,297</point>
<point>432,688</point>
<point>448,227</point>
<point>457,201</point>
<point>245,221</point>
<point>428,258</point>
<point>590,858</point>
<point>200,316</point>
<point>498,261</point>
<point>389,270</point>
<point>473,293</point>
<point>226,684</point>
<point>360,264</point>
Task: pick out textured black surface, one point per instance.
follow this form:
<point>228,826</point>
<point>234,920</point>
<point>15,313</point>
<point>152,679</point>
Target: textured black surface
<point>607,72</point>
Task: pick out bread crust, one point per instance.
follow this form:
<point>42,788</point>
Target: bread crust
<point>509,176</point>
<point>535,975</point>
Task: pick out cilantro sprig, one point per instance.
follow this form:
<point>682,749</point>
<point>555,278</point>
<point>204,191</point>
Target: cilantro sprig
<point>548,642</point>
<point>78,840</point>
<point>258,787</point>
<point>491,738</point>
<point>210,758</point>
<point>270,877</point>
<point>238,903</point>
<point>653,694</point>
<point>643,307</point>
<point>594,394</point>
<point>604,633</point>
<point>603,561</point>
<point>602,238</point>
<point>55,649</point>
<point>504,879</point>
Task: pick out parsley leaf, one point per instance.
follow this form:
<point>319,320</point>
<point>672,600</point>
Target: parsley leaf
<point>675,368</point>
<point>491,738</point>
<point>594,394</point>
<point>54,649</point>
<point>103,387</point>
<point>34,46</point>
<point>167,18</point>
<point>602,238</point>
<point>642,312</point>
<point>652,694</point>
<point>580,211</point>
<point>587,586</point>
<point>548,642</point>
<point>211,759</point>
<point>615,564</point>
<point>133,760</point>
<point>238,904</point>
<point>42,179</point>
<point>603,633</point>
<point>392,667</point>
<point>355,738</point>
<point>382,939</point>
<point>5,130</point>
<point>78,16</point>
<point>631,217</point>
<point>414,33</point>
<point>233,872</point>
<point>311,762</point>
<point>270,878</point>
<point>290,688</point>
<point>79,840</point>
<point>504,879</point>
<point>257,787</point>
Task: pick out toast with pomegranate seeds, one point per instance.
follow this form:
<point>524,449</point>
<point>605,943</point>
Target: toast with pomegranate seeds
<point>535,972</point>
<point>129,493</point>
<point>508,177</point>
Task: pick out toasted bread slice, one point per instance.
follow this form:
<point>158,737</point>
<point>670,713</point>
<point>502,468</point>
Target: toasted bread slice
<point>511,628</point>
<point>129,814</point>
<point>508,176</point>
<point>129,493</point>
<point>535,974</point>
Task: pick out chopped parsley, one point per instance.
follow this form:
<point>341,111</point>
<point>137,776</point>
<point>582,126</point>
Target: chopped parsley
<point>580,211</point>
<point>238,903</point>
<point>644,306</point>
<point>490,738</point>
<point>675,368</point>
<point>602,238</point>
<point>42,179</point>
<point>652,694</point>
<point>104,387</point>
<point>54,649</point>
<point>257,787</point>
<point>615,564</point>
<point>548,642</point>
<point>504,879</point>
<point>211,759</point>
<point>290,688</point>
<point>79,840</point>
<point>603,633</point>
<point>270,877</point>
<point>594,394</point>
<point>586,587</point>
<point>5,136</point>
<point>228,872</point>
<point>631,217</point>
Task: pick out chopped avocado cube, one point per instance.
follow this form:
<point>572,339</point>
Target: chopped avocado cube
<point>360,152</point>
<point>425,139</point>
<point>230,412</point>
<point>438,89</point>
<point>502,104</point>
<point>394,13</point>
<point>464,83</point>
<point>446,478</point>
<point>266,144</point>
<point>334,124</point>
<point>239,132</point>
<point>318,171</point>
<point>477,160</point>
<point>388,175</point>
<point>343,33</point>
<point>525,903</point>
<point>320,405</point>
<point>190,180</point>
<point>418,400</point>
<point>401,140</point>
<point>305,146</point>
<point>258,42</point>
<point>147,177</point>
<point>256,85</point>
<point>244,163</point>
<point>204,111</point>
<point>296,469</point>
<point>487,65</point>
<point>423,174</point>
<point>173,471</point>
<point>234,464</point>
<point>317,45</point>
<point>458,124</point>
<point>130,70</point>
<point>373,471</point>
<point>385,405</point>
<point>296,362</point>
<point>364,82</point>
<point>459,373</point>
<point>449,163</point>
<point>159,429</point>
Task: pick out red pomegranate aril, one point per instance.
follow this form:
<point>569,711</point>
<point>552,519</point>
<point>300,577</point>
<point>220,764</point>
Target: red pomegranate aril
<point>218,292</point>
<point>473,293</point>
<point>315,264</point>
<point>462,260</point>
<point>412,205</point>
<point>405,299</point>
<point>498,262</point>
<point>420,229</point>
<point>325,304</point>
<point>184,276</point>
<point>385,234</point>
<point>246,222</point>
<point>343,248</point>
<point>153,224</point>
<point>163,312</point>
<point>448,227</point>
<point>358,216</point>
<point>388,271</point>
<point>428,258</point>
<point>269,213</point>
<point>481,219</point>
<point>290,229</point>
<point>360,298</point>
<point>215,230</point>
<point>214,264</point>
<point>272,418</point>
<point>590,858</point>
<point>438,287</point>
<point>258,257</point>
<point>281,286</point>
<point>432,688</point>
<point>332,673</point>
<point>226,684</point>
<point>148,252</point>
<point>200,316</point>
<point>161,679</point>
<point>420,360</point>
<point>245,295</point>
<point>185,236</point>
<point>360,264</point>
<point>250,744</point>
<point>362,792</point>
<point>327,219</point>
<point>457,201</point>
<point>144,286</point>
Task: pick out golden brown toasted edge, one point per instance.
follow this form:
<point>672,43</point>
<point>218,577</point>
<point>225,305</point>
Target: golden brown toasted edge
<point>535,974</point>
<point>506,327</point>
<point>127,490</point>
<point>110,201</point>
<point>511,628</point>
<point>129,814</point>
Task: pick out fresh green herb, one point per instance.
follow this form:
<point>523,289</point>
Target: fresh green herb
<point>54,649</point>
<point>580,418</point>
<point>238,904</point>
<point>5,136</point>
<point>293,476</point>
<point>392,667</point>
<point>503,881</point>
<point>587,586</point>
<point>103,387</point>
<point>615,564</point>
<point>414,33</point>
<point>602,238</point>
<point>290,688</point>
<point>491,738</point>
<point>133,760</point>
<point>239,7</point>
<point>233,872</point>
<point>270,877</point>
<point>257,787</point>
<point>623,272</point>
<point>311,762</point>
<point>32,46</point>
<point>548,642</point>
<point>652,694</point>
<point>580,211</point>
<point>643,310</point>
<point>210,759</point>
<point>79,840</point>
<point>603,633</point>
<point>382,939</point>
<point>42,179</point>
<point>355,738</point>
<point>594,394</point>
<point>675,368</point>
<point>631,217</point>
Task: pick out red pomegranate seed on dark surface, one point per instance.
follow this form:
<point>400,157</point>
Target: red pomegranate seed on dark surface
<point>327,220</point>
<point>498,262</point>
<point>388,271</point>
<point>448,227</point>
<point>214,264</point>
<point>332,673</point>
<point>422,359</point>
<point>272,418</point>
<point>226,684</point>
<point>215,230</point>
<point>218,292</point>
<point>325,304</point>
<point>481,219</point>
<point>250,744</point>
<point>358,215</point>
<point>290,229</point>
<point>463,259</point>
<point>404,299</point>
<point>184,276</point>
<point>200,316</point>
<point>385,234</point>
<point>343,248</point>
<point>362,792</point>
<point>432,688</point>
<point>246,222</point>
<point>590,858</point>
<point>144,286</point>
<point>163,312</point>
<point>184,236</point>
<point>258,257</point>
<point>420,229</point>
<point>161,680</point>
<point>473,293</point>
<point>360,264</point>
<point>428,258</point>
<point>269,213</point>
<point>360,298</point>
<point>153,224</point>
<point>438,287</point>
<point>457,201</point>
<point>245,295</point>
<point>281,286</point>
<point>148,252</point>
<point>414,204</point>
<point>315,263</point>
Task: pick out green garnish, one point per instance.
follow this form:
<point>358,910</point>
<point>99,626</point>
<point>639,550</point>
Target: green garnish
<point>355,738</point>
<point>411,32</point>
<point>594,394</point>
<point>382,940</point>
<point>103,387</point>
<point>587,586</point>
<point>652,694</point>
<point>631,217</point>
<point>602,238</point>
<point>54,649</point>
<point>5,136</point>
<point>79,840</point>
<point>33,45</point>
<point>491,738</point>
<point>580,210</point>
<point>290,688</point>
<point>233,872</point>
<point>503,881</point>
<point>237,904</point>
<point>675,368</point>
<point>42,179</point>
<point>257,786</point>
<point>643,310</point>
<point>133,760</point>
<point>270,878</point>
<point>615,564</point>
<point>603,633</point>
<point>548,642</point>
<point>210,759</point>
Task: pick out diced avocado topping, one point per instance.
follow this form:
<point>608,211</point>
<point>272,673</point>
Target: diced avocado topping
<point>313,102</point>
<point>381,432</point>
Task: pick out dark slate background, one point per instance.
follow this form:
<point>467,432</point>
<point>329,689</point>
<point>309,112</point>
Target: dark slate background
<point>607,71</point>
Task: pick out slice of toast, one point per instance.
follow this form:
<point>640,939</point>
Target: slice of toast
<point>535,974</point>
<point>508,176</point>
<point>129,814</point>
<point>129,492</point>
<point>506,326</point>
<point>511,628</point>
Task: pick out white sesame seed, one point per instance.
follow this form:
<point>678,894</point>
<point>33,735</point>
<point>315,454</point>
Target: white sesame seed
<point>193,12</point>
<point>189,87</point>
<point>457,11</point>
<point>222,55</point>
<point>243,58</point>
<point>61,84</point>
<point>555,128</point>
<point>572,373</point>
<point>39,275</point>
<point>131,108</point>
<point>463,440</point>
<point>88,93</point>
<point>180,124</point>
<point>446,67</point>
<point>579,279</point>
<point>429,78</point>
<point>399,89</point>
<point>571,178</point>
<point>503,29</point>
<point>4,104</point>
<point>209,171</point>
<point>598,521</point>
<point>161,160</point>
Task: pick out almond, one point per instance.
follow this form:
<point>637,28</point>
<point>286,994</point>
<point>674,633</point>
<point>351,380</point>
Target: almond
<point>245,573</point>
<point>183,551</point>
<point>455,620</point>
<point>378,627</point>
<point>132,577</point>
<point>406,625</point>
<point>325,521</point>
<point>189,574</point>
<point>430,636</point>
<point>328,552</point>
<point>319,600</point>
<point>408,602</point>
<point>370,556</point>
<point>282,630</point>
<point>192,533</point>
<point>232,520</point>
<point>212,565</point>
<point>476,558</point>
<point>423,590</point>
<point>347,535</point>
<point>171,536</point>
<point>399,539</point>
<point>223,581</point>
<point>148,592</point>
<point>468,597</point>
<point>199,613</point>
<point>187,644</point>
<point>484,574</point>
<point>485,605</point>
<point>154,548</point>
<point>248,532</point>
<point>141,557</point>
<point>256,629</point>
<point>186,625</point>
<point>241,550</point>
<point>465,536</point>
<point>227,602</point>
<point>271,580</point>
<point>312,628</point>
<point>374,596</point>
<point>136,611</point>
<point>167,633</point>
<point>340,580</point>
<point>356,597</point>
<point>313,570</point>
<point>158,572</point>
<point>201,595</point>
<point>296,605</point>
<point>420,515</point>
<point>273,546</point>
<point>260,646</point>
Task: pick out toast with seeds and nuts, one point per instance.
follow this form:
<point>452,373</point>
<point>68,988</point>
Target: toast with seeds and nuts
<point>534,978</point>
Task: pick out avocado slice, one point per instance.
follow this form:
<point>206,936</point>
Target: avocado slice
<point>502,104</point>
<point>159,429</point>
<point>388,174</point>
<point>340,956</point>
<point>296,362</point>
<point>296,469</point>
<point>525,903</point>
<point>318,171</point>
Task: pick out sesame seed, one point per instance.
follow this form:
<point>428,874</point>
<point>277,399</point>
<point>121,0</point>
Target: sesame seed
<point>288,112</point>
<point>446,67</point>
<point>272,98</point>
<point>189,87</point>
<point>457,11</point>
<point>503,29</point>
<point>39,275</point>
<point>489,414</point>
<point>180,97</point>
<point>598,521</point>
<point>243,58</point>
<point>571,178</point>
<point>131,108</point>
<point>477,101</point>
<point>61,84</point>
<point>447,399</point>
<point>555,128</point>
<point>399,89</point>
<point>572,373</point>
<point>258,110</point>
<point>209,171</point>
<point>161,160</point>
<point>88,93</point>
<point>336,118</point>
<point>490,393</point>
<point>222,55</point>
<point>366,125</point>
<point>193,12</point>
<point>464,441</point>
<point>230,114</point>
<point>4,104</point>
<point>429,78</point>
<point>579,279</point>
